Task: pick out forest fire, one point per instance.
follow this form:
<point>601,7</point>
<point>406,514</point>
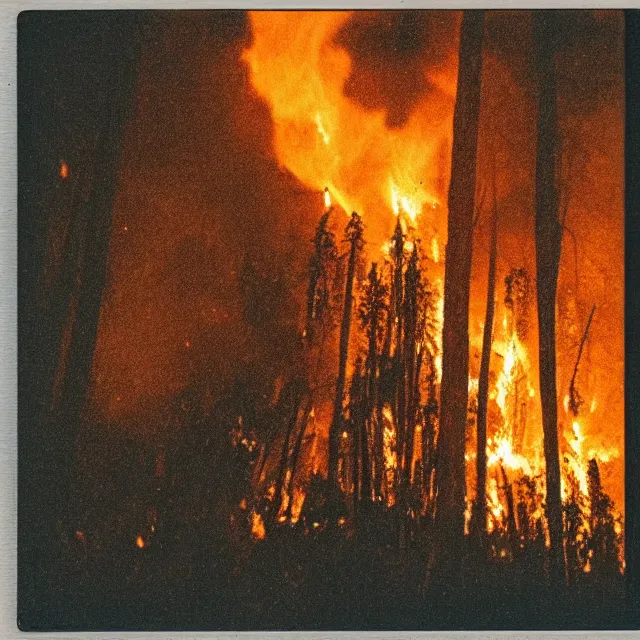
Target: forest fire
<point>378,320</point>
<point>331,153</point>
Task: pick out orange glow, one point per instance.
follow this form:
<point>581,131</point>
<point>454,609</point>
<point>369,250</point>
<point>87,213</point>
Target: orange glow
<point>140,542</point>
<point>64,170</point>
<point>435,249</point>
<point>257,527</point>
<point>327,140</point>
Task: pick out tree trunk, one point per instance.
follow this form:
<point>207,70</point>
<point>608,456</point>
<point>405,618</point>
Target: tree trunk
<point>354,235</point>
<point>411,317</point>
<point>450,501</point>
<point>398,360</point>
<point>373,404</point>
<point>480,515</point>
<point>548,236</point>
<point>61,316</point>
<point>365,461</point>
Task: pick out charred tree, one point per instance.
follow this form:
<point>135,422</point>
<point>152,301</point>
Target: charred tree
<point>354,236</point>
<point>361,423</point>
<point>399,373</point>
<point>359,444</point>
<point>450,470</point>
<point>480,517</point>
<point>412,279</point>
<point>319,293</point>
<point>548,238</point>
<point>372,312</point>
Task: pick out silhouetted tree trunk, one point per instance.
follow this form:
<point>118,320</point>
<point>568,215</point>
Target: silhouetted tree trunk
<point>512,528</point>
<point>60,298</point>
<point>363,433</point>
<point>450,501</point>
<point>480,515</point>
<point>411,316</point>
<point>319,294</point>
<point>358,427</point>
<point>353,235</point>
<point>548,236</point>
<point>372,313</point>
<point>398,361</point>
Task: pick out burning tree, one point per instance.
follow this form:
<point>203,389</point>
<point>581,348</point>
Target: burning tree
<point>372,311</point>
<point>354,236</point>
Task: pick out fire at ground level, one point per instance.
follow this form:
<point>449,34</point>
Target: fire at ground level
<point>182,550</point>
<point>239,517</point>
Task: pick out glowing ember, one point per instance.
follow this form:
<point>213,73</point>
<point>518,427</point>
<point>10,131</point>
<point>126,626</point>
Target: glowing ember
<point>140,542</point>
<point>257,526</point>
<point>64,170</point>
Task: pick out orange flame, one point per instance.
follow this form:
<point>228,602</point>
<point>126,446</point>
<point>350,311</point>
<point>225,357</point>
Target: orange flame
<point>328,140</point>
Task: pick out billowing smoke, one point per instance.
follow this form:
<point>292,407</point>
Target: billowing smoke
<point>203,268</point>
<point>397,58</point>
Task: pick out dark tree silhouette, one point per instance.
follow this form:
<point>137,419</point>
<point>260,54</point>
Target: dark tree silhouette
<point>548,239</point>
<point>372,311</point>
<point>480,514</point>
<point>450,470</point>
<point>321,269</point>
<point>354,236</point>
